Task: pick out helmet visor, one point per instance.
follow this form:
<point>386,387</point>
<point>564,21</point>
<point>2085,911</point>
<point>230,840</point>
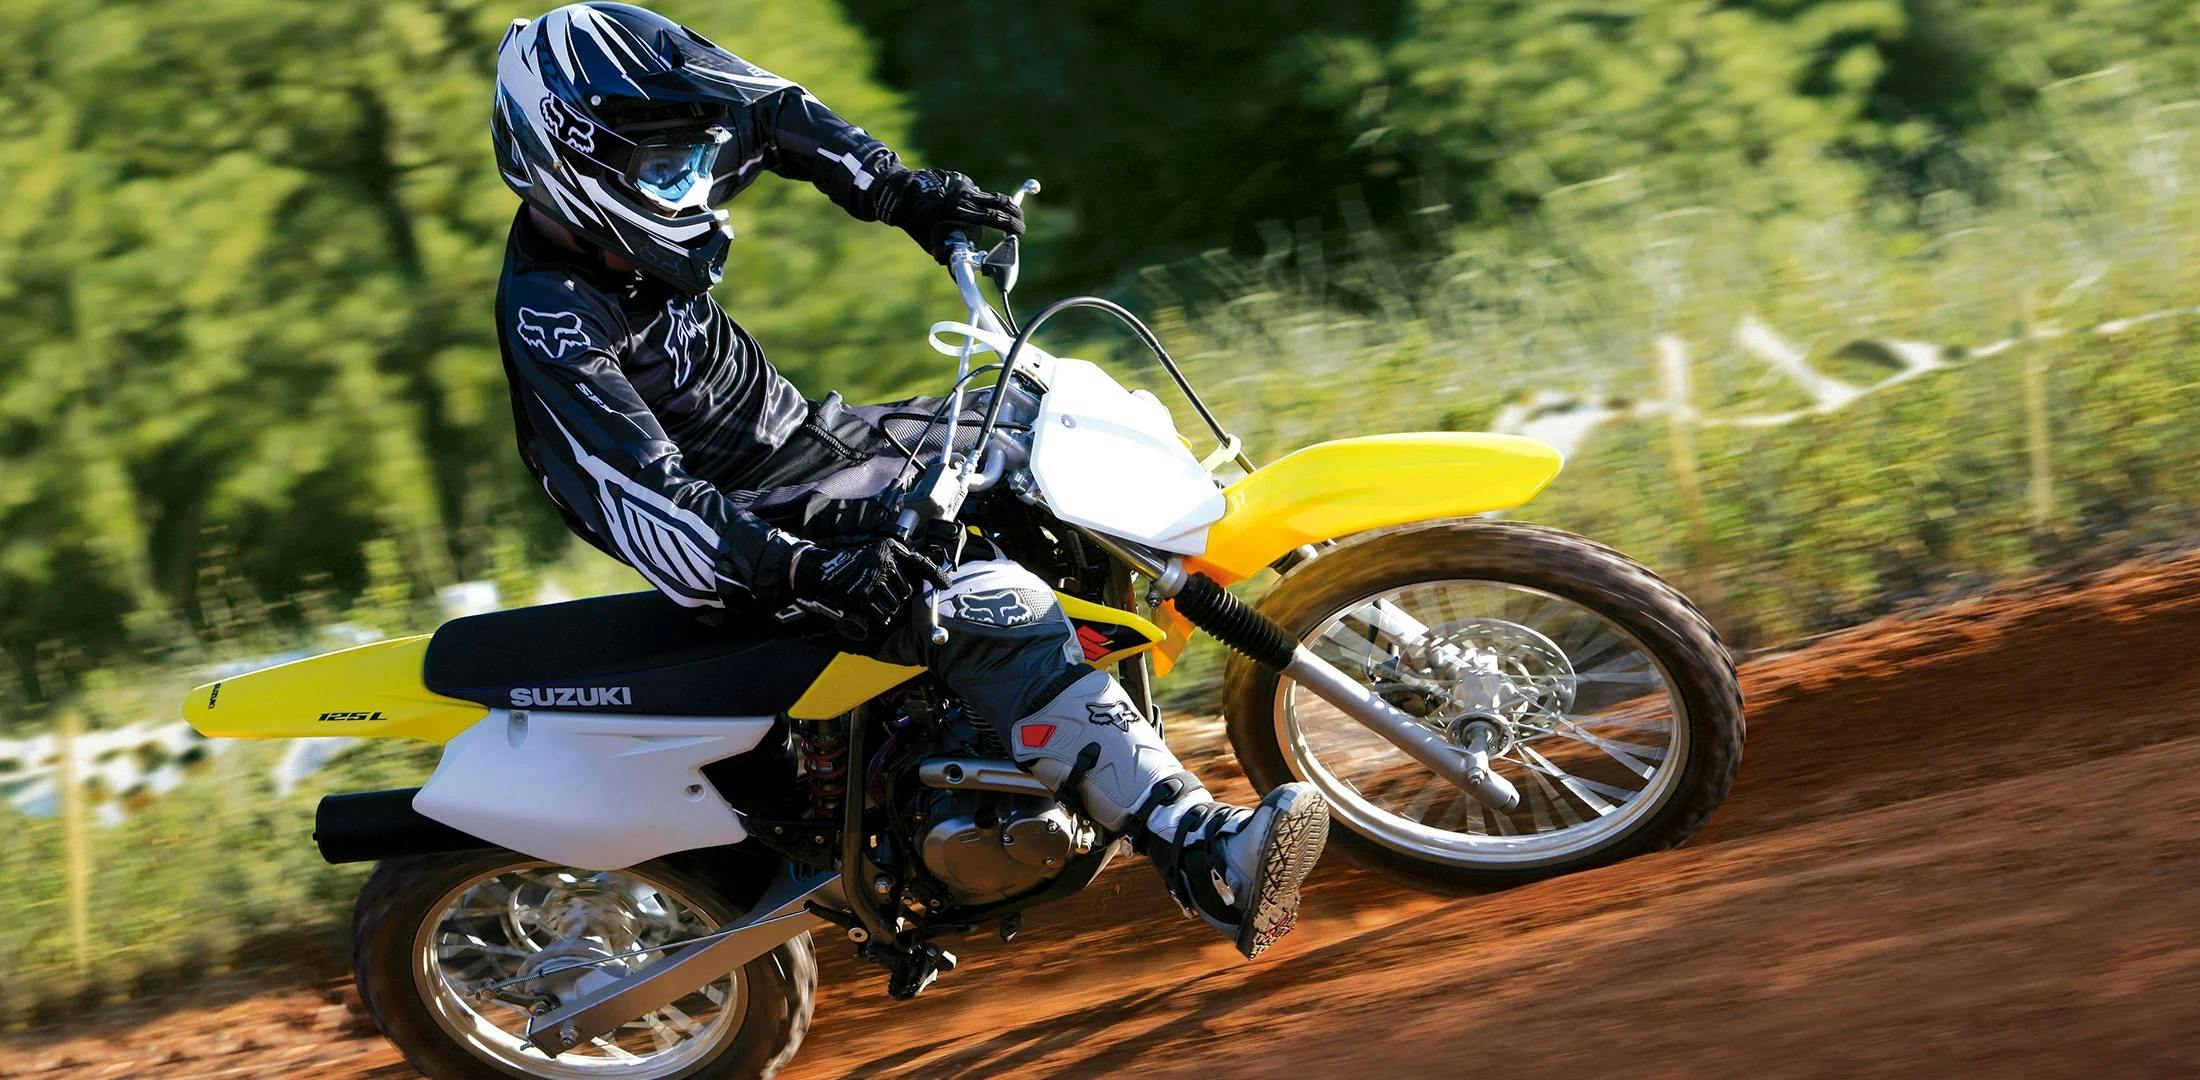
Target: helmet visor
<point>674,172</point>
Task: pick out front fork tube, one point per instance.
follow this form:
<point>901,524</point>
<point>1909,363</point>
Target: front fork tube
<point>1465,768</point>
<point>1212,608</point>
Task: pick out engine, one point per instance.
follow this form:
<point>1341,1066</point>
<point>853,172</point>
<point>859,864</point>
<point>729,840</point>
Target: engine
<point>983,829</point>
<point>987,846</point>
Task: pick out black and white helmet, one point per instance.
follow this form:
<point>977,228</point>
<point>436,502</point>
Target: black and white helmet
<point>610,119</point>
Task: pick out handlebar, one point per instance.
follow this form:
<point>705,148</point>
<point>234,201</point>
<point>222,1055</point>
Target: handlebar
<point>951,479</point>
<point>962,265</point>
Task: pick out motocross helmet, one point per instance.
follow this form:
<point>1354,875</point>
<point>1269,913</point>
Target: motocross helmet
<point>610,119</point>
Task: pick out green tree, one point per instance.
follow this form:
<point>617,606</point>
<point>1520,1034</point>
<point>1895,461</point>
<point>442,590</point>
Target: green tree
<point>247,255</point>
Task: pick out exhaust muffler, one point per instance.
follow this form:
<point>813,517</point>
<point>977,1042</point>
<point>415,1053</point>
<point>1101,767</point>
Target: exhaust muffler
<point>370,826</point>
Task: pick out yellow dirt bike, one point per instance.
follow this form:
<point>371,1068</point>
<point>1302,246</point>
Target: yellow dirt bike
<point>639,821</point>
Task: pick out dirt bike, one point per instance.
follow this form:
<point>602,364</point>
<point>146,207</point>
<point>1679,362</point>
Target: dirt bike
<point>639,821</point>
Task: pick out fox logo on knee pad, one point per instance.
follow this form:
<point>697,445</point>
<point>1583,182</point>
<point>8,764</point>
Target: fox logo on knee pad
<point>999,607</point>
<point>1119,715</point>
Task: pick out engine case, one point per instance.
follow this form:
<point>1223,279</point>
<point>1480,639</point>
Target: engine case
<point>986,846</point>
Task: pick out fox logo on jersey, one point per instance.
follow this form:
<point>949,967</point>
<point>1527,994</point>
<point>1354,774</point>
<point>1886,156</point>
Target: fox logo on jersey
<point>552,331</point>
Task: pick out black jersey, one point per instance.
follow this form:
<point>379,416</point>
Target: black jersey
<point>641,409</point>
<point>647,414</point>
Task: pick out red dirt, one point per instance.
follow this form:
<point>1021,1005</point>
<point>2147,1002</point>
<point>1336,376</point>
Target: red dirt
<point>1963,841</point>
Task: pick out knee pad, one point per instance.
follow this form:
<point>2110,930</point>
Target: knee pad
<point>1093,744</point>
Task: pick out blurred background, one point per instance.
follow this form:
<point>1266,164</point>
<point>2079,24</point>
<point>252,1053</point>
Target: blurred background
<point>1836,306</point>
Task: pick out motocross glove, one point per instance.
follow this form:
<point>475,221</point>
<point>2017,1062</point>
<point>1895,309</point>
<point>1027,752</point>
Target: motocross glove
<point>928,204</point>
<point>827,520</point>
<point>859,589</point>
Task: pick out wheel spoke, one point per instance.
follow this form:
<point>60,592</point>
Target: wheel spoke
<point>1628,754</point>
<point>470,943</point>
<point>1591,793</point>
<point>613,1050</point>
<point>662,1036</point>
<point>1604,641</point>
<point>462,947</point>
<point>1417,810</point>
<point>1612,678</point>
<point>1590,723</point>
<point>1475,815</point>
<point>1536,800</point>
<point>1557,801</point>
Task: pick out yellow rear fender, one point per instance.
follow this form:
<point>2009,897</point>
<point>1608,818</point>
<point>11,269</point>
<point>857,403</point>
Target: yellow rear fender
<point>373,692</point>
<point>1335,489</point>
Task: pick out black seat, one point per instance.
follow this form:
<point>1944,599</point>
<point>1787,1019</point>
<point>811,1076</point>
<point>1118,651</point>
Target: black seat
<point>635,653</point>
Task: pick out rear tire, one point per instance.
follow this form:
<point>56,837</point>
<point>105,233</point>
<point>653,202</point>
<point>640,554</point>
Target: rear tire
<point>1674,634</point>
<point>778,990</point>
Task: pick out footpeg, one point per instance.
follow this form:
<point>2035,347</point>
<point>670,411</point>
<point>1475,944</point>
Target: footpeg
<point>910,972</point>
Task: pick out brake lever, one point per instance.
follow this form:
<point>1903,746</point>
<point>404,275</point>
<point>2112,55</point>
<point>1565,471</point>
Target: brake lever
<point>950,556</point>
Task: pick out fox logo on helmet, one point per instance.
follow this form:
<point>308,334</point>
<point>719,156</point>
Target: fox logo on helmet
<point>574,131</point>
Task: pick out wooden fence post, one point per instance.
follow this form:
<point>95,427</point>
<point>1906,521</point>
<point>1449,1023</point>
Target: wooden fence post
<point>2038,435</point>
<point>75,839</point>
<point>1680,441</point>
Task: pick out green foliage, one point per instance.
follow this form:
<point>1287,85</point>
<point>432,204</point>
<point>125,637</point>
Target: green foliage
<point>247,247</point>
<point>247,253</point>
<point>2083,214</point>
<point>1158,128</point>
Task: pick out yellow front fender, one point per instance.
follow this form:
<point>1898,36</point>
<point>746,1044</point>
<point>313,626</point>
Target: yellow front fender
<point>1335,489</point>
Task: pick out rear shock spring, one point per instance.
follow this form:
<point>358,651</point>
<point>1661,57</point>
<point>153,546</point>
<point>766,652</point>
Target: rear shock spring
<point>823,747</point>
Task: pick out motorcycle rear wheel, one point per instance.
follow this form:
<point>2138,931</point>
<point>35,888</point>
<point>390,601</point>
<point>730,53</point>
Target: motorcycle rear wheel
<point>418,920</point>
<point>1616,709</point>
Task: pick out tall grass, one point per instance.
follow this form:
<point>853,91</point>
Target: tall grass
<point>2087,214</point>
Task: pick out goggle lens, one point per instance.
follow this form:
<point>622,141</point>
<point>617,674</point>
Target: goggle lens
<point>677,175</point>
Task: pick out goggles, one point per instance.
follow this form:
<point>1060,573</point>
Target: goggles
<point>674,172</point>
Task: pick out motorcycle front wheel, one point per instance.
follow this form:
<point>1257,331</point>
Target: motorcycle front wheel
<point>1599,691</point>
<point>429,933</point>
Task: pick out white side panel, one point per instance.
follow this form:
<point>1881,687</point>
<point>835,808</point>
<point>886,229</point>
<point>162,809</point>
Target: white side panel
<point>589,791</point>
<point>1110,460</point>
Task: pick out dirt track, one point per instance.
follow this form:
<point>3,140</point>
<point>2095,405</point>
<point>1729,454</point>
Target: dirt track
<point>1961,842</point>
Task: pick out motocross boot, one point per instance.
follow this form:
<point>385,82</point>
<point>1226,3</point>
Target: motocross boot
<point>1237,868</point>
<point>1240,869</point>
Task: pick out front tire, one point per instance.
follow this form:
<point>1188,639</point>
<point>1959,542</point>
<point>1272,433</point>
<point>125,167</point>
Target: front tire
<point>415,914</point>
<point>1607,767</point>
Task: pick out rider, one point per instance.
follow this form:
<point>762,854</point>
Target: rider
<point>666,439</point>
